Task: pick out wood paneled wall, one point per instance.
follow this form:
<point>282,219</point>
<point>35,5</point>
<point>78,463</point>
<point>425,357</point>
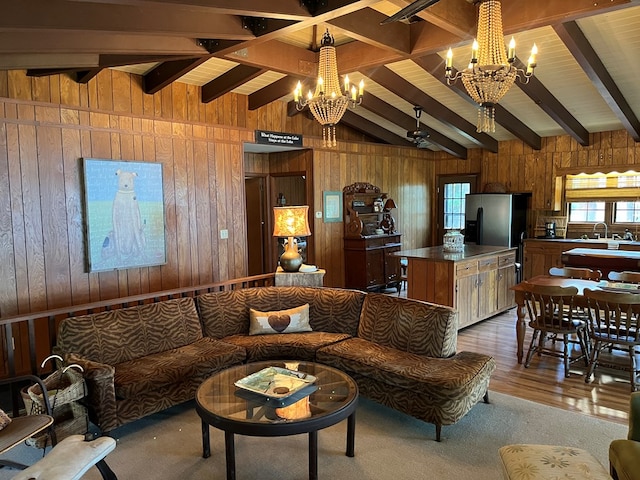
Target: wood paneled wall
<point>47,124</point>
<point>522,169</point>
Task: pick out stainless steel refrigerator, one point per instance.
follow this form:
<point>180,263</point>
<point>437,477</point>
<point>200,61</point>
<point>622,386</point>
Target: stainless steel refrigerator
<point>496,219</point>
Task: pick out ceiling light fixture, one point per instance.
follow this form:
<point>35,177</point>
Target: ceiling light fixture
<point>329,102</point>
<point>491,72</point>
<point>418,136</point>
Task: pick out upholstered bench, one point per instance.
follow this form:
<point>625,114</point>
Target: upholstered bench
<point>70,459</point>
<point>531,462</point>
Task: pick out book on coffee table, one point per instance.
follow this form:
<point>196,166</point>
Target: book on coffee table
<point>275,382</point>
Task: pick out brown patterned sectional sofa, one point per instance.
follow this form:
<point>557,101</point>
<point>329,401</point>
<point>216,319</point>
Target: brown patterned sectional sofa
<point>402,353</point>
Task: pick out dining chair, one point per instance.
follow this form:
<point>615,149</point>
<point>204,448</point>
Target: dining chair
<point>624,277</point>
<point>613,322</point>
<point>551,312</point>
<point>576,272</point>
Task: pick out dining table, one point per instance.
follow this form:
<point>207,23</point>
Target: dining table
<point>579,300</point>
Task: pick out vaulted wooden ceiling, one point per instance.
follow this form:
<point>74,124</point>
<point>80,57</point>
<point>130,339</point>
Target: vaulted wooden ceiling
<point>586,80</point>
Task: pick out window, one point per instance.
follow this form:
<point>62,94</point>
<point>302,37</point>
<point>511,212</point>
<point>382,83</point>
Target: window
<point>627,212</point>
<point>454,203</point>
<point>587,212</point>
<point>603,197</point>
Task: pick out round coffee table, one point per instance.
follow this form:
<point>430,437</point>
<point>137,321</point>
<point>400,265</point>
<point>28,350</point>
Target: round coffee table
<point>332,398</point>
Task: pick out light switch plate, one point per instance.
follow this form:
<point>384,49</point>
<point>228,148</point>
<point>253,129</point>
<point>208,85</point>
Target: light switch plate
<point>224,233</point>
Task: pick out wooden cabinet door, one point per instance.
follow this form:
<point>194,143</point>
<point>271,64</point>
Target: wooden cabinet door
<point>466,292</point>
<point>506,279</point>
<point>467,300</point>
<point>487,293</point>
<point>375,267</point>
<point>391,265</point>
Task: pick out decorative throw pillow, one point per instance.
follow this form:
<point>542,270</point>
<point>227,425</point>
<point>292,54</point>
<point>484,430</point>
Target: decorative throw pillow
<point>283,321</point>
<point>4,419</point>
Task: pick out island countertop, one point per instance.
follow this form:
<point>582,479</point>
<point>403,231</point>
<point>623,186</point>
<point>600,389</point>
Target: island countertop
<point>438,253</point>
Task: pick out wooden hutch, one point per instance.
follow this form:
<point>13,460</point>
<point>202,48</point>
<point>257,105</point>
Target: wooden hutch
<point>369,239</point>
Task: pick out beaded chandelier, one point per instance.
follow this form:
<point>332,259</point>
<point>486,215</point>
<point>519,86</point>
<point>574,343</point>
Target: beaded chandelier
<point>491,72</point>
<point>329,102</point>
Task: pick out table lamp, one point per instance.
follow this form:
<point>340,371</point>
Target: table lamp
<point>388,223</point>
<point>291,221</point>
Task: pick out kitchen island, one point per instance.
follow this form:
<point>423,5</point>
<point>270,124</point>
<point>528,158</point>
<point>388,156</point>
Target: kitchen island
<point>477,281</point>
<point>605,260</point>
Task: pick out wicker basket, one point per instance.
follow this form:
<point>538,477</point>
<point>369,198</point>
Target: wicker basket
<point>62,388</point>
<point>70,419</point>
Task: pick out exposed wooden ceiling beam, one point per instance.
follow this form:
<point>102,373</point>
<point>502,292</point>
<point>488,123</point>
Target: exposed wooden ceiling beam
<point>105,61</point>
<point>53,61</point>
<point>80,43</point>
<point>372,130</point>
<point>434,64</point>
<point>228,81</point>
<point>364,26</point>
<point>455,16</point>
<point>588,59</point>
<point>402,88</point>
<point>168,72</point>
<point>60,15</point>
<point>542,97</point>
<point>396,116</point>
<point>85,75</point>
<point>326,13</point>
<point>286,9</point>
<point>272,92</point>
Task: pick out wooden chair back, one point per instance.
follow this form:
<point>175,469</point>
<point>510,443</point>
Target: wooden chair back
<point>613,316</point>
<point>576,272</point>
<point>625,277</point>
<point>550,307</point>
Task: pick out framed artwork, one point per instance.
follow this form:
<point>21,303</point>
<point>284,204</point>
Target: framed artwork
<point>332,206</point>
<point>124,214</point>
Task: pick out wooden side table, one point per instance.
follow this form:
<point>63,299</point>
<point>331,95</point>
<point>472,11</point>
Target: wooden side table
<point>299,279</point>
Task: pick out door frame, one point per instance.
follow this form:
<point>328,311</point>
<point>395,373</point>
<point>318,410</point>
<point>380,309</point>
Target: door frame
<point>441,181</point>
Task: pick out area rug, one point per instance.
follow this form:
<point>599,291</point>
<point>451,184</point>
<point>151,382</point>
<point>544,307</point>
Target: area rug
<point>389,445</point>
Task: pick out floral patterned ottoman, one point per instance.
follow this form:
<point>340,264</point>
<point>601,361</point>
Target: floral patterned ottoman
<point>550,462</point>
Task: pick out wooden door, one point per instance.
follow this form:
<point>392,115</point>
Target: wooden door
<point>256,225</point>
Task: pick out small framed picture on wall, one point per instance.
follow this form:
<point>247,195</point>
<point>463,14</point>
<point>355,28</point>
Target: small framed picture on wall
<point>332,202</point>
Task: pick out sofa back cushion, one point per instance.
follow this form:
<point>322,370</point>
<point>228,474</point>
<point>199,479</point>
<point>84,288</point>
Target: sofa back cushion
<point>409,325</point>
<point>331,310</point>
<point>120,335</point>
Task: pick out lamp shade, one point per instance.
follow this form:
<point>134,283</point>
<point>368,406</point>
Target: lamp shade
<point>389,204</point>
<point>291,221</point>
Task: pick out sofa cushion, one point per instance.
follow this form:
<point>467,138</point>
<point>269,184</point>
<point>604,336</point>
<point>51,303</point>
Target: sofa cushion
<point>153,372</point>
<point>117,336</point>
<point>418,373</point>
<point>409,325</point>
<point>292,320</point>
<point>331,310</point>
<point>299,346</point>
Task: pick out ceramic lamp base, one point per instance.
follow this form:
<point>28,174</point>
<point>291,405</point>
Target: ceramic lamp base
<point>291,260</point>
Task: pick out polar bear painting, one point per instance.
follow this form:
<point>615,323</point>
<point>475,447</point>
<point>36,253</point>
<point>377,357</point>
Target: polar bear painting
<point>124,214</point>
<point>128,236</point>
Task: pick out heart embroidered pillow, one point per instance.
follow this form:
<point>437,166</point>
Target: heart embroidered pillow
<point>284,321</point>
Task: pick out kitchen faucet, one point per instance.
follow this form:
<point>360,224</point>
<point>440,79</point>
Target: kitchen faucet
<point>606,229</point>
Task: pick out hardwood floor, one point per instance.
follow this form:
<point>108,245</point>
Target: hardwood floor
<point>606,397</point>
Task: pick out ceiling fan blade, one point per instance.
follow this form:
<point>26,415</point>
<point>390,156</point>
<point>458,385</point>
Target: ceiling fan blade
<point>409,11</point>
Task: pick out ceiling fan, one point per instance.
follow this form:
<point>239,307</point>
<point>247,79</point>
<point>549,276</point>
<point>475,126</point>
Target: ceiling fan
<point>418,136</point>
